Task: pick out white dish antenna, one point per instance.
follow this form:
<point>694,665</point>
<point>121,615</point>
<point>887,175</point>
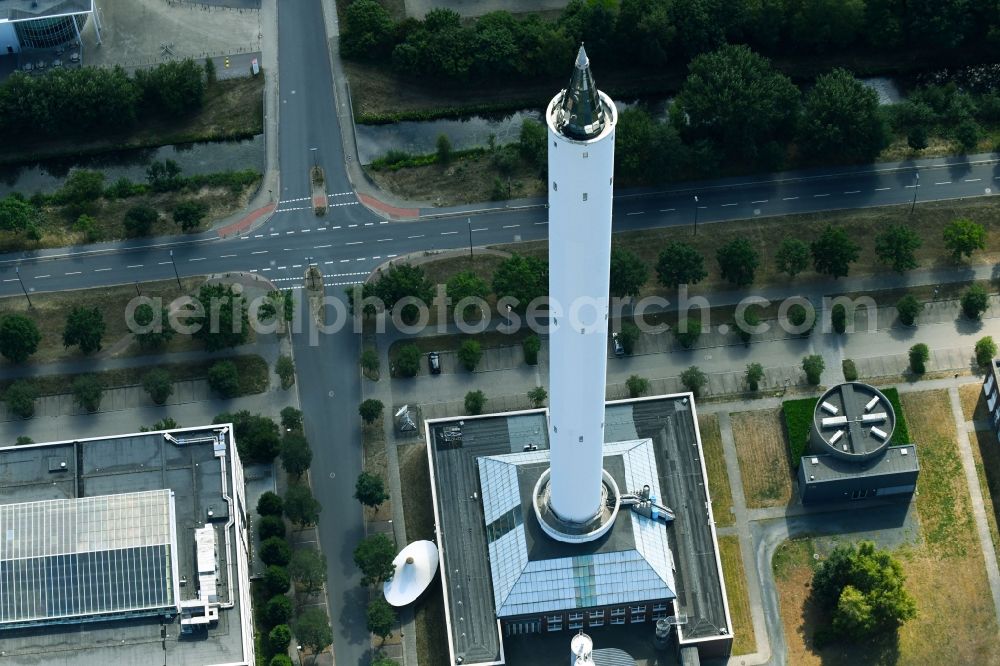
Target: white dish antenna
<point>582,648</point>
<point>416,566</point>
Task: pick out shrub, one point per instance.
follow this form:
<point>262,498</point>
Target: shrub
<point>85,328</point>
<point>813,366</point>
<point>276,580</point>
<point>270,504</point>
<point>755,373</point>
<point>974,301</point>
<point>279,637</point>
<point>694,380</point>
<point>537,396</point>
<point>475,401</point>
<point>687,332</point>
<point>408,361</point>
<point>285,369</point>
<point>19,337</point>
<point>296,456</point>
<point>798,316</point>
<point>750,321</point>
<point>224,379</point>
<point>280,660</point>
<point>20,398</point>
<point>139,220</point>
<point>919,353</point>
<point>300,506</point>
<point>637,386</point>
<point>275,551</point>
<point>278,610</point>
<point>986,350</point>
<point>469,354</point>
<point>628,336</point>
<point>257,437</point>
<point>291,418</point>
<point>369,362</point>
<point>87,392</point>
<point>270,526</point>
<point>838,318</point>
<point>908,308</point>
<point>443,146</point>
<point>532,344</point>
<point>381,617</point>
<point>369,490</point>
<point>189,214</point>
<point>850,370</point>
<point>158,385</point>
<point>370,410</point>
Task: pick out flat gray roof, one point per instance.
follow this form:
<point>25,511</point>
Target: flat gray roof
<point>21,10</point>
<point>668,421</point>
<point>895,460</point>
<point>193,464</point>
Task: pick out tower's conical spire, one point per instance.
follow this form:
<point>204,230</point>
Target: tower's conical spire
<point>581,112</point>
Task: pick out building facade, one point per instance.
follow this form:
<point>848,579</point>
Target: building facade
<point>27,25</point>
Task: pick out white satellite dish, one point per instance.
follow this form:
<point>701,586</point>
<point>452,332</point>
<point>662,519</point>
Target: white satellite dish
<point>416,566</point>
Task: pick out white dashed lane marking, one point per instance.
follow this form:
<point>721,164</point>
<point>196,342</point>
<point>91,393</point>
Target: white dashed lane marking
<point>354,243</point>
<point>99,270</point>
<point>448,233</point>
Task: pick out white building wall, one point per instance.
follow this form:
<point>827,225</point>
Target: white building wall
<point>8,39</point>
<point>580,197</point>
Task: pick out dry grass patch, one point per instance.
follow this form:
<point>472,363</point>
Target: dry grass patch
<point>970,396</point>
<point>715,463</point>
<point>986,451</point>
<point>744,639</point>
<point>377,463</point>
<point>763,457</point>
<point>438,271</point>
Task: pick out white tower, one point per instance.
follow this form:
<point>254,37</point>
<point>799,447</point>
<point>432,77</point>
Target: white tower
<point>581,122</point>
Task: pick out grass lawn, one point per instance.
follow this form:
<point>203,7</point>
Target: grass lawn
<point>986,451</point>
<point>970,396</point>
<point>715,463</point>
<point>233,109</point>
<point>763,457</point>
<point>418,510</point>
<point>482,264</point>
<point>744,640</point>
<point>945,571</point>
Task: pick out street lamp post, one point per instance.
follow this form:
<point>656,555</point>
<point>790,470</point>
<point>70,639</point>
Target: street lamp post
<point>696,215</point>
<point>469,220</point>
<point>174,264</point>
<point>916,187</point>
<point>17,269</point>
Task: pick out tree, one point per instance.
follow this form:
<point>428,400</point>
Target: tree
<point>189,214</point>
<point>521,278</point>
<point>792,257</point>
<point>838,318</point>
<point>916,138</point>
<point>23,440</point>
<point>841,119</point>
<point>734,98</point>
<point>291,418</point>
<point>628,273</point>
<point>280,636</point>
<point>275,551</point>
<point>897,246</point>
<point>636,385</point>
<point>308,569</point>
<point>158,384</point>
<point>738,261</point>
<point>986,350</point>
<point>863,589</point>
<point>974,301</point>
<point>159,331</point>
<point>270,504</point>
<point>813,366</point>
<point>300,505</point>
<point>80,190</point>
<point>381,618</point>
<point>648,150</point>
<point>20,398</point>
<point>16,214</point>
<point>312,628</point>
<point>403,281</point>
<point>755,373</point>
<point>87,392</point>
<point>368,31</point>
<point>173,88</point>
<point>84,327</point>
<point>469,354</point>
<point>374,556</point>
<point>284,367</point>
<point>967,134</point>
<point>224,379</point>
<point>531,345</point>
<point>270,526</point>
<point>687,332</point>
<point>746,327</point>
<point>408,361</point>
<point>369,490</point>
<point>139,220</point>
<point>919,353</point>
<point>164,176</point>
<point>628,336</point>
<point>531,144</point>
<point>278,610</point>
<point>538,396</point>
<point>370,410</point>
<point>694,380</point>
<point>443,149</point>
<point>257,437</point>
<point>475,401</point>
<point>908,308</point>
<point>467,284</point>
<point>276,580</point>
<point>280,660</point>
<point>19,337</point>
<point>798,316</point>
<point>370,362</point>
<point>210,74</point>
<point>962,237</point>
<point>834,252</point>
<point>822,25</point>
<point>166,423</point>
<point>228,324</point>
<point>296,456</point>
<point>678,264</point>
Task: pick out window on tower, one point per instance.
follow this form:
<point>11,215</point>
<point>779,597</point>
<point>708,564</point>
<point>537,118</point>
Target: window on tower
<point>584,196</point>
<point>555,186</point>
<point>586,155</point>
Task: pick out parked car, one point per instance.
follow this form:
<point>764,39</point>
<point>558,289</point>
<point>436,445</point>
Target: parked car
<point>619,349</point>
<point>434,363</point>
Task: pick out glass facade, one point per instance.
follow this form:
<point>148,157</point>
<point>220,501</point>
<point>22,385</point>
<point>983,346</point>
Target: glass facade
<point>46,33</point>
